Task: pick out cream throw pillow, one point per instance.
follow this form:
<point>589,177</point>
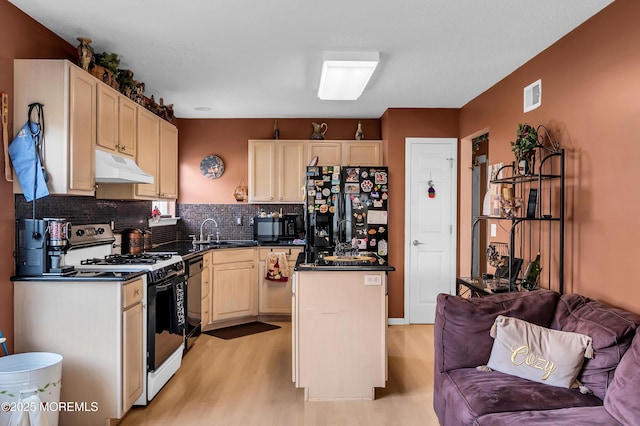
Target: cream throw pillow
<point>536,353</point>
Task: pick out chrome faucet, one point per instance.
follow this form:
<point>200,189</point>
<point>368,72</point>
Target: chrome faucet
<point>202,226</point>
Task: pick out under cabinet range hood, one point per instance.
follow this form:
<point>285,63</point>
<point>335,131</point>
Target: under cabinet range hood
<point>114,168</point>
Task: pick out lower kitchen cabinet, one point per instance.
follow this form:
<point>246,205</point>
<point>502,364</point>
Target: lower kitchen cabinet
<point>132,335</point>
<point>274,297</point>
<point>97,327</point>
<point>233,292</point>
<point>205,310</point>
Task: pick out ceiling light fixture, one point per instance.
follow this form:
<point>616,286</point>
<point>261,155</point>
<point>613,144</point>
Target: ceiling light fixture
<point>346,74</point>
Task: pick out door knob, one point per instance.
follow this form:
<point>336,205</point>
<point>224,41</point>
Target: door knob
<point>416,243</point>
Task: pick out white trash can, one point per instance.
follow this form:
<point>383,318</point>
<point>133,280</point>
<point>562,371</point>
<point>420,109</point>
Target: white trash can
<point>27,374</point>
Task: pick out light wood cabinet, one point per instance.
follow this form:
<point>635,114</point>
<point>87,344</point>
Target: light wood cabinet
<point>205,312</point>
<point>116,121</point>
<point>168,162</point>
<point>148,153</point>
<point>69,97</point>
<point>329,153</point>
<point>274,297</point>
<point>276,171</point>
<point>107,365</point>
<point>127,126</point>
<point>339,342</point>
<point>362,153</point>
<point>156,154</point>
<point>345,153</point>
<point>132,350</point>
<point>234,285</point>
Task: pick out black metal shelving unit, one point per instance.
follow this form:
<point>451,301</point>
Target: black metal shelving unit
<point>543,231</point>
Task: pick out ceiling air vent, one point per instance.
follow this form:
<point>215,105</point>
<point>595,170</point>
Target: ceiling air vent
<point>533,96</point>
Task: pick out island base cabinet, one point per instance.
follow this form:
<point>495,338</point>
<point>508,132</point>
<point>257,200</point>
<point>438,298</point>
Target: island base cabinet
<point>339,341</point>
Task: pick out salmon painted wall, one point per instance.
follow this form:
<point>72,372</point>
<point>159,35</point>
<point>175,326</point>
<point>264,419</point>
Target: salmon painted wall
<point>590,92</point>
<point>22,37</point>
<point>227,138</point>
<point>398,124</point>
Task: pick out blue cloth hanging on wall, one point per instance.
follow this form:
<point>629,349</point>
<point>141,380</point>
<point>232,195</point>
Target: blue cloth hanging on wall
<point>26,162</point>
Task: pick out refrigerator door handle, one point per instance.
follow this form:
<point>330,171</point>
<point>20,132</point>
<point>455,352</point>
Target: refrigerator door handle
<point>416,243</point>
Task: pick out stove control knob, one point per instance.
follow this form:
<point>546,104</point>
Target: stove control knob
<point>80,232</point>
<point>100,230</point>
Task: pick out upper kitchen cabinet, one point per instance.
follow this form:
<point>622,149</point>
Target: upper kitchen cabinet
<point>276,171</point>
<point>362,153</point>
<point>168,162</point>
<point>345,153</point>
<point>116,122</point>
<point>329,153</point>
<point>69,97</point>
<point>156,154</point>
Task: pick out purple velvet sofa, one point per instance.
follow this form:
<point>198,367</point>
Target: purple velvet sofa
<point>464,395</point>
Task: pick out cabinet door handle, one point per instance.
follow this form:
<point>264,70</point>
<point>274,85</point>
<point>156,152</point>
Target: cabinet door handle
<point>416,243</point>
<point>137,292</point>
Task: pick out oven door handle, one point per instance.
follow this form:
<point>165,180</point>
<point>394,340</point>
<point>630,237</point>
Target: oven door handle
<point>164,287</point>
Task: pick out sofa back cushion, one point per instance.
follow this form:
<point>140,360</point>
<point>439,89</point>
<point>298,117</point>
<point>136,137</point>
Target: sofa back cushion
<point>611,330</point>
<point>462,326</point>
<point>623,396</point>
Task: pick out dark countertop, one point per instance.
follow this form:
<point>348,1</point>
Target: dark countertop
<point>377,264</point>
<point>187,249</point>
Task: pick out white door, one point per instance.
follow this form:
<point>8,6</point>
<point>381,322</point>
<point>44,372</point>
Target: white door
<point>430,224</point>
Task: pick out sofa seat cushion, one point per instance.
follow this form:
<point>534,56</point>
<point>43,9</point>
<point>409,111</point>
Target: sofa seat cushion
<point>462,325</point>
<point>561,417</point>
<point>623,396</point>
<point>468,393</point>
<point>611,330</point>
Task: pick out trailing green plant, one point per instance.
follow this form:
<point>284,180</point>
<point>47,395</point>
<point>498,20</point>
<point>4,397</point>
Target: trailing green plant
<point>108,60</point>
<point>526,139</point>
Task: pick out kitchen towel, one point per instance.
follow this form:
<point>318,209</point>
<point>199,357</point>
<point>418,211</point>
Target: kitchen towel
<point>277,267</point>
<point>26,162</point>
<point>178,319</point>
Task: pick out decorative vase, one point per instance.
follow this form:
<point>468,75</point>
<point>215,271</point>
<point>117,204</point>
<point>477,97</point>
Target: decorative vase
<point>319,129</point>
<point>359,132</point>
<point>85,52</point>
<point>526,163</point>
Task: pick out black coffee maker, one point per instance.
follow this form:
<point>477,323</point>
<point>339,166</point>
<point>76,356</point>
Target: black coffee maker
<point>40,251</point>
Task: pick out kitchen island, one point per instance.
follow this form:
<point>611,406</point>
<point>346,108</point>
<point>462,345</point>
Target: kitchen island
<point>339,330</point>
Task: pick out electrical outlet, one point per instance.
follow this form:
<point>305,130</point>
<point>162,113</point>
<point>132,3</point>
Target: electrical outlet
<point>238,220</point>
<point>251,221</point>
<point>494,230</point>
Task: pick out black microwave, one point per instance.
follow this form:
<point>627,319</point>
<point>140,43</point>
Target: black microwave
<point>269,229</point>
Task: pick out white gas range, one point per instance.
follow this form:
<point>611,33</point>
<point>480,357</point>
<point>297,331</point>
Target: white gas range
<point>164,298</point>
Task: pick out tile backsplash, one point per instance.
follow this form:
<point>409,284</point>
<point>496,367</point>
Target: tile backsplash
<point>134,214</point>
<point>192,215</point>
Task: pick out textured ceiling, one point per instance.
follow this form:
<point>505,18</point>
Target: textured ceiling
<point>250,58</point>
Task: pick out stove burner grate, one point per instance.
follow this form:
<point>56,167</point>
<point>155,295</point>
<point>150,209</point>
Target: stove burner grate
<point>128,259</point>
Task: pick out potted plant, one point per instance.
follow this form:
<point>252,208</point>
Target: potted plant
<point>523,147</point>
<point>106,67</point>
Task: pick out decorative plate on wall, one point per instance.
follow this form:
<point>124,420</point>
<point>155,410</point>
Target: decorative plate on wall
<point>212,166</point>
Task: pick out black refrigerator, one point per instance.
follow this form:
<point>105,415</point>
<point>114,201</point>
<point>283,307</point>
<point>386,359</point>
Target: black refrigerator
<point>347,204</point>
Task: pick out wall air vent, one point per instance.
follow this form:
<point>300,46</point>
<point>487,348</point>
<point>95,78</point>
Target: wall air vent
<point>533,96</point>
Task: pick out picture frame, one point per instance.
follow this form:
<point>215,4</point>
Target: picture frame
<point>532,202</point>
<point>503,271</point>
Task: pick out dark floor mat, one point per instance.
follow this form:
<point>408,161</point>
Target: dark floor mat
<point>241,330</point>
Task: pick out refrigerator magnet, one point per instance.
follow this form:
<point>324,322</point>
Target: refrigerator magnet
<point>382,248</point>
<point>366,185</point>
<point>380,177</point>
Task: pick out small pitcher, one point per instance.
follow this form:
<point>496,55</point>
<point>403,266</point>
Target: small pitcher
<point>319,130</point>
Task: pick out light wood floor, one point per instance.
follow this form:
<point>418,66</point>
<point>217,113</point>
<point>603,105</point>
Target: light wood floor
<point>247,381</point>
